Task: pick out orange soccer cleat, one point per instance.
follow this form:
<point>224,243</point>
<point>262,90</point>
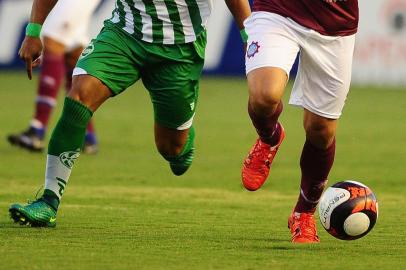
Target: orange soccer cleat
<point>256,166</point>
<point>303,228</point>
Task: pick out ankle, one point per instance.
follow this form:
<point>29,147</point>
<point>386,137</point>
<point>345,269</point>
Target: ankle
<point>50,198</point>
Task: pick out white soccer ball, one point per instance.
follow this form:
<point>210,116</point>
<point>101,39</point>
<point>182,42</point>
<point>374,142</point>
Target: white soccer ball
<point>348,210</point>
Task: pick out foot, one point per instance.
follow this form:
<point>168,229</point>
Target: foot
<point>91,146</point>
<point>181,164</point>
<point>256,166</point>
<point>303,228</point>
<point>35,214</point>
<point>31,139</point>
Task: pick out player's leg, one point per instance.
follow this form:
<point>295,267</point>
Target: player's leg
<point>316,160</point>
<point>174,108</point>
<point>176,146</point>
<point>174,96</point>
<point>66,142</point>
<point>270,56</point>
<point>84,10</point>
<point>321,88</point>
<point>95,80</point>
<point>67,20</point>
<point>71,57</point>
<point>173,83</point>
<point>50,79</point>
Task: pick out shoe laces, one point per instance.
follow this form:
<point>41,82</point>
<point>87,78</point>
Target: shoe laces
<point>305,225</point>
<point>36,198</point>
<point>260,152</point>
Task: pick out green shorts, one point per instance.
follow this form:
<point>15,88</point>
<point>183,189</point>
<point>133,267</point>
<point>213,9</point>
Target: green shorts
<point>170,72</point>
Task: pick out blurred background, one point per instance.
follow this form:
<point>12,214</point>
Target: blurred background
<point>380,55</point>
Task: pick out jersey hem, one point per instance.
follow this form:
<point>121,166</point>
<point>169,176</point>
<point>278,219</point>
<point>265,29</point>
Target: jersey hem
<point>322,31</point>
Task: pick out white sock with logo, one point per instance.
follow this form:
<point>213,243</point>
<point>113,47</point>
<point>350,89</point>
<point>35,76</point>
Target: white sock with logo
<point>58,170</point>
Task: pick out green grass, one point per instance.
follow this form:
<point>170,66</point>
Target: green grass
<point>124,210</point>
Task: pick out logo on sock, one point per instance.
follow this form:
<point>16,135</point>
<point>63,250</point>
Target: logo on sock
<point>61,184</point>
<point>68,158</point>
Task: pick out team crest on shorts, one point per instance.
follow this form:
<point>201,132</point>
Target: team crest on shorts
<point>88,50</point>
<point>253,49</point>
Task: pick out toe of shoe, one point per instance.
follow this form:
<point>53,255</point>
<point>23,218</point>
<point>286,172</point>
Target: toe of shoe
<point>251,186</point>
<point>178,170</point>
<point>251,182</point>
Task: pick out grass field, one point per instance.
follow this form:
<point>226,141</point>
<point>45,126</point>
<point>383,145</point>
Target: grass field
<point>124,210</point>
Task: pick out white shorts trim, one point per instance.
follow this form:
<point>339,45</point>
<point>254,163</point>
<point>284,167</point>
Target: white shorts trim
<point>324,74</point>
<point>187,124</point>
<point>78,71</point>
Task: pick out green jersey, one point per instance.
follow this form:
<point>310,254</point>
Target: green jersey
<point>162,21</point>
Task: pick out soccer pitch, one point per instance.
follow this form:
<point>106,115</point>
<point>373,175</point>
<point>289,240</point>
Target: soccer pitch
<point>123,209</point>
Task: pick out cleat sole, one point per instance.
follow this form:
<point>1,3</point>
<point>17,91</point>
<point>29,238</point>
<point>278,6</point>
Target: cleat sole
<point>23,220</point>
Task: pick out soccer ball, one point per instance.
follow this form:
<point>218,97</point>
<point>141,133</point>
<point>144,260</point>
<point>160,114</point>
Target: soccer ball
<point>348,210</point>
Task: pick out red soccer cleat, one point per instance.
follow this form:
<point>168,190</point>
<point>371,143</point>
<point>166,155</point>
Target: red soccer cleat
<point>303,228</point>
<point>255,169</point>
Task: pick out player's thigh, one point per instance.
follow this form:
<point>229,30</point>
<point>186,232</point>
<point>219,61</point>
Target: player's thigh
<point>110,58</point>
<point>271,53</point>
<point>53,47</point>
<point>71,57</point>
<point>169,141</point>
<point>174,95</point>
<point>324,75</point>
<point>68,21</point>
<point>173,85</point>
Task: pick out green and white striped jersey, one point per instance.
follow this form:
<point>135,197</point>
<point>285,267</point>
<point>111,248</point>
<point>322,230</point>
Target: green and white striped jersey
<point>163,21</point>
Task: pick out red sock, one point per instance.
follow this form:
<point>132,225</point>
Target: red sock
<point>266,126</point>
<point>90,127</point>
<point>315,164</point>
<point>51,76</point>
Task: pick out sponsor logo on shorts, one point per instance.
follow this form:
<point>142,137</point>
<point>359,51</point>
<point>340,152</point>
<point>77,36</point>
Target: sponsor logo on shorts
<point>68,158</point>
<point>88,50</point>
<point>253,49</point>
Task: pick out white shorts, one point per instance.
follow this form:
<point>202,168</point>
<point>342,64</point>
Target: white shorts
<point>325,62</point>
<point>68,22</point>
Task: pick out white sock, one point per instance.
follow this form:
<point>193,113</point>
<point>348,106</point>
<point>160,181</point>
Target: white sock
<point>58,170</point>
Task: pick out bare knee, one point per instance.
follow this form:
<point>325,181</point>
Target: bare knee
<point>89,91</point>
<point>263,100</point>
<point>266,87</point>
<point>169,148</point>
<point>170,142</point>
